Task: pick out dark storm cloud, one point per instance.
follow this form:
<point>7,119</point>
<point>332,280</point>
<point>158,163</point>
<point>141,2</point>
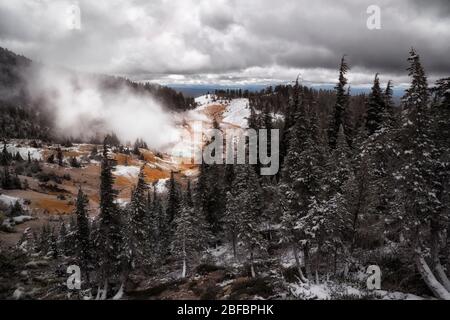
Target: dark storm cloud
<point>216,40</point>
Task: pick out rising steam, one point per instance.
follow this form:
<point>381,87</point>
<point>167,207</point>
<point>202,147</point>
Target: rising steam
<point>83,107</point>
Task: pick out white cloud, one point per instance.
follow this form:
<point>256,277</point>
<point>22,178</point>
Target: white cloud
<point>197,38</point>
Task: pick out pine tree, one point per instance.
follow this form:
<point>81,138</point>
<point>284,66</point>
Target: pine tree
<point>152,224</point>
<point>228,177</point>
<point>82,247</point>
<point>162,226</point>
<point>244,208</point>
<point>60,157</point>
<point>62,239</point>
<point>53,244</point>
<point>111,250</point>
<point>6,179</point>
<point>440,134</point>
<point>18,157</point>
<point>375,108</point>
<point>389,112</point>
<point>16,209</point>
<point>191,235</point>
<point>5,156</point>
<point>174,201</point>
<point>340,107</point>
<point>44,240</point>
<point>139,225</point>
<point>232,219</point>
<point>417,176</point>
<point>339,165</point>
<point>301,182</point>
<point>289,121</point>
<point>210,198</point>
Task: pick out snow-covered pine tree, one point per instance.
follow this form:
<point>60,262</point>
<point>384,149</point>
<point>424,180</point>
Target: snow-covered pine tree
<point>210,197</point>
<point>191,235</point>
<point>139,227</point>
<point>247,192</point>
<point>325,213</point>
<point>62,238</point>
<point>232,220</point>
<point>340,108</point>
<point>301,185</point>
<point>290,191</point>
<point>289,121</point>
<point>152,224</point>
<point>111,247</point>
<point>441,136</point>
<point>82,245</point>
<point>417,177</point>
<point>5,156</point>
<point>228,177</point>
<point>389,118</point>
<point>173,201</point>
<point>339,164</point>
<point>44,239</point>
<point>53,241</point>
<point>375,108</point>
<point>162,226</point>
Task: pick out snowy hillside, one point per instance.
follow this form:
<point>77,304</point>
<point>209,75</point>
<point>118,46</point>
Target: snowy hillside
<point>237,113</point>
<point>232,113</point>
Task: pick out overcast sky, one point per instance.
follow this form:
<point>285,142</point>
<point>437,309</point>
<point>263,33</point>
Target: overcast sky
<point>228,41</point>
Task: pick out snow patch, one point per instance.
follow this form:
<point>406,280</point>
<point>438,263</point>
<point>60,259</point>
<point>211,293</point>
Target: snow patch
<point>127,171</point>
<point>161,185</point>
<point>207,100</point>
<point>8,200</point>
<point>35,154</point>
<point>22,219</point>
<point>237,113</point>
<point>121,202</point>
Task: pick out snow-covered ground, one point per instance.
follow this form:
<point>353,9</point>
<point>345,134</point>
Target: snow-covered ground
<point>237,113</point>
<point>207,100</point>
<point>8,200</point>
<point>330,290</point>
<point>35,154</point>
<point>161,185</point>
<point>122,202</point>
<point>127,171</point>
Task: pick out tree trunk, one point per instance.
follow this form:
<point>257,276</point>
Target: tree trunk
<point>119,293</point>
<point>318,258</point>
<point>427,275</point>
<point>447,248</point>
<point>307,262</point>
<point>102,293</point>
<point>234,240</point>
<point>297,263</point>
<point>183,273</point>
<point>435,260</point>
<point>440,274</point>
<point>252,267</point>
